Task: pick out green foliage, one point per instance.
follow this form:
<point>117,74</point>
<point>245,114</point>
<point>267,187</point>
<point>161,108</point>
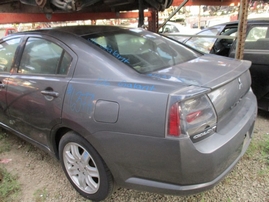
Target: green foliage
<point>259,149</point>
<point>9,186</point>
<point>266,145</point>
<point>265,149</point>
<point>3,135</point>
<point>253,149</point>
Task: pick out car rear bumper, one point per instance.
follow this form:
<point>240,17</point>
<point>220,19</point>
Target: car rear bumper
<point>205,163</point>
<point>167,188</point>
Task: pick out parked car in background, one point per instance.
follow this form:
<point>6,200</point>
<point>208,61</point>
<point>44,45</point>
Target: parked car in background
<point>7,31</point>
<point>256,50</point>
<point>126,106</point>
<point>177,28</point>
<point>203,24</point>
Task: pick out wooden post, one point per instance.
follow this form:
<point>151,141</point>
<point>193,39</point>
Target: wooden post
<point>242,27</point>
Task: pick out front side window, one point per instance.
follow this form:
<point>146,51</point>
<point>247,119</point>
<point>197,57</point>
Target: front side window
<point>7,53</point>
<point>41,56</point>
<point>143,51</point>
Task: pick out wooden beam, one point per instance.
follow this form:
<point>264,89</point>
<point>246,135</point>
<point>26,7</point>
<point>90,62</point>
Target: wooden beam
<point>207,2</point>
<point>242,28</point>
<point>8,18</point>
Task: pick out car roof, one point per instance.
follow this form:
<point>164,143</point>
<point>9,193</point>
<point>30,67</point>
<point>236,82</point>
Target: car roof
<point>89,29</point>
<point>78,30</point>
<point>251,20</point>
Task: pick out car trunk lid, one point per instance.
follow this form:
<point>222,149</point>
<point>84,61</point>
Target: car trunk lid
<point>228,80</point>
<point>207,71</point>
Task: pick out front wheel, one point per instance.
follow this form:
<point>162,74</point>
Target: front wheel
<point>84,167</point>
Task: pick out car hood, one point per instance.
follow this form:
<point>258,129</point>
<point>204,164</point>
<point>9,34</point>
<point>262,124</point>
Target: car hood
<point>206,71</point>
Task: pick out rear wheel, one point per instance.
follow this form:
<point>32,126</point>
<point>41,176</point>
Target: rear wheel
<point>84,167</point>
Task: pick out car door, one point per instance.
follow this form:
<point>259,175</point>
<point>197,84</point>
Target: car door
<point>36,90</point>
<point>215,40</point>
<point>7,53</point>
<point>202,43</point>
<point>222,45</point>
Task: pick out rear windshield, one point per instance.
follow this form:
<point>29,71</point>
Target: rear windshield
<point>142,50</point>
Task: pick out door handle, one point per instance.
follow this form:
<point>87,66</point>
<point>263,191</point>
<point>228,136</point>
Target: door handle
<point>50,93</point>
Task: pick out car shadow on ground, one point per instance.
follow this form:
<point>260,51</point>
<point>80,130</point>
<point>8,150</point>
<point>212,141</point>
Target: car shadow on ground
<point>263,114</point>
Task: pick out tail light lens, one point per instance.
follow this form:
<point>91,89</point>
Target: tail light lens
<point>194,117</point>
<point>174,121</point>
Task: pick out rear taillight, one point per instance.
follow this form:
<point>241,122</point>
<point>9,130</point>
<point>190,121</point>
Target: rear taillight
<point>174,121</point>
<point>200,117</point>
<point>194,117</point>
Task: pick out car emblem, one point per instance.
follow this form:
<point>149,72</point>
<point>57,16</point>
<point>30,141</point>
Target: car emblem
<point>240,84</point>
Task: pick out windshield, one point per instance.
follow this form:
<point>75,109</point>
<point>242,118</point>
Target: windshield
<point>142,50</point>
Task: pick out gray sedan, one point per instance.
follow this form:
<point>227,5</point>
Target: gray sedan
<point>127,107</point>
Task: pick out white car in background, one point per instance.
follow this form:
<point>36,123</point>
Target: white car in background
<point>172,28</point>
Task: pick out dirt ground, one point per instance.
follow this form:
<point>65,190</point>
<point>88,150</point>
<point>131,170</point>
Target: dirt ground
<point>42,179</point>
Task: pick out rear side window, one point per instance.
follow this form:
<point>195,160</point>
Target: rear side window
<point>65,63</point>
<point>257,38</point>
<point>41,56</point>
<point>256,33</point>
<point>7,53</point>
<point>143,51</point>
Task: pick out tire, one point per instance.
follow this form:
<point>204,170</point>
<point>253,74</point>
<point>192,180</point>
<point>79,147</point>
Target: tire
<point>84,167</point>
